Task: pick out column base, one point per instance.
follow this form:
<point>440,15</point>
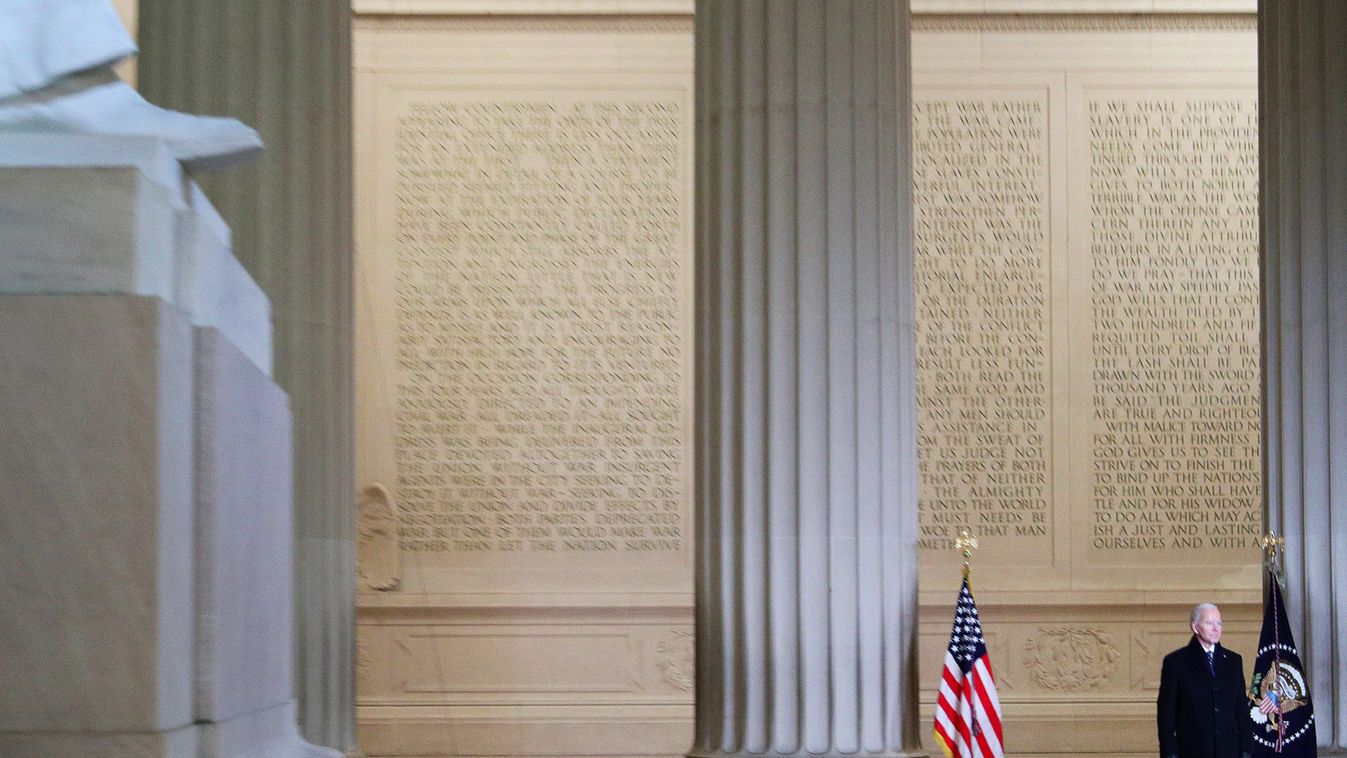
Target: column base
<point>174,744</point>
<point>266,734</point>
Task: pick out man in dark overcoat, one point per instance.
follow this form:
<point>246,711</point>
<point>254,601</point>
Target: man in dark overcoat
<point>1202,710</point>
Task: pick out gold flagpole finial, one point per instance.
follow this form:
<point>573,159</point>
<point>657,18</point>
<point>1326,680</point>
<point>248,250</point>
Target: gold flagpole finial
<point>1273,546</point>
<point>966,543</point>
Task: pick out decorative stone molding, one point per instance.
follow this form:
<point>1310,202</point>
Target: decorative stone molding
<point>552,24</point>
<point>1080,22</point>
<point>619,8</point>
<point>1071,658</point>
<point>560,8</point>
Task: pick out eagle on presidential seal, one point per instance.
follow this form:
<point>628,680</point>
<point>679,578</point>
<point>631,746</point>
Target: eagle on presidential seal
<point>1284,684</point>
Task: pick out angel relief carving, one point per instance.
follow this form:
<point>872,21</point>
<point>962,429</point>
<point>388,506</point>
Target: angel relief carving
<point>676,659</point>
<point>378,560</point>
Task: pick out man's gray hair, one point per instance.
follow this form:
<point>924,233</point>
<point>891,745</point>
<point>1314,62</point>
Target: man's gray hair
<point>1199,609</point>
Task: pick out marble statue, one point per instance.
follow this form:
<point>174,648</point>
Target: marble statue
<point>56,59</point>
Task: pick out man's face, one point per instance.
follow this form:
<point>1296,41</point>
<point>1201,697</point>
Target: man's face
<point>1208,626</point>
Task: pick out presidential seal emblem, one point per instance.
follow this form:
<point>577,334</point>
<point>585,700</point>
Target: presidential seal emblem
<point>1284,685</point>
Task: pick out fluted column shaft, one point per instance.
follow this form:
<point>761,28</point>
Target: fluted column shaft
<point>285,69</point>
<point>1303,123</point>
<point>806,400</point>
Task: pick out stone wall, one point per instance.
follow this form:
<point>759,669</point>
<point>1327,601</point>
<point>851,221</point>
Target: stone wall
<point>1086,264</point>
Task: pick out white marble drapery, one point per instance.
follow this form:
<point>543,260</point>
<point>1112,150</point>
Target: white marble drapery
<point>806,407</point>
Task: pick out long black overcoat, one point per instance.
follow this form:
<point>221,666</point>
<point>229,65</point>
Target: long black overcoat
<point>1200,715</point>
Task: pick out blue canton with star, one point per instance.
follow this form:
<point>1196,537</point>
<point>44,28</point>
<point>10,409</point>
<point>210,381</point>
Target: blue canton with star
<point>966,643</point>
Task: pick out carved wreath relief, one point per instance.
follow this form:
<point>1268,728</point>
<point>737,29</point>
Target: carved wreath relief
<point>1068,658</point>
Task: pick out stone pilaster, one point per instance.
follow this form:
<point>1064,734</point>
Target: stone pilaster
<point>806,422</point>
<point>285,68</point>
<point>1303,130</point>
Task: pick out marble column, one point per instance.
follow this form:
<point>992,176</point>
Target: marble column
<point>285,68</point>
<point>806,423</point>
<point>1303,132</point>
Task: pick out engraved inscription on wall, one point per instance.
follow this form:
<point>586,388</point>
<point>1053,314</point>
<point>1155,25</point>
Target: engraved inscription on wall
<point>1174,350</point>
<point>1158,318</point>
<point>540,352</point>
<point>981,185</point>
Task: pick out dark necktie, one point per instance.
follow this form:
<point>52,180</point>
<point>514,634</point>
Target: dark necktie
<point>1211,662</point>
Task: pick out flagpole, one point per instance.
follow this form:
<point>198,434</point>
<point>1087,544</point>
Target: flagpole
<point>966,543</point>
<point>1273,545</point>
<point>967,709</point>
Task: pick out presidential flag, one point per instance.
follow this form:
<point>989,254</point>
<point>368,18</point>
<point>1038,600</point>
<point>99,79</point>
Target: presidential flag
<point>1288,731</point>
<point>967,712</point>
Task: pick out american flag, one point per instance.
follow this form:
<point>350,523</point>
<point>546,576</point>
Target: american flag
<point>967,712</point>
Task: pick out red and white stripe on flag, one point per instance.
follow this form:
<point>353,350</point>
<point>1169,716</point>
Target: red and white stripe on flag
<point>967,711</point>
